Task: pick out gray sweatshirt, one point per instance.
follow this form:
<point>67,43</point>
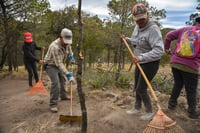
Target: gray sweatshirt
<point>147,42</point>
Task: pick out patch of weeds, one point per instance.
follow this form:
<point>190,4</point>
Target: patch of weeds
<point>98,78</point>
<point>124,80</point>
<point>101,80</point>
<point>163,83</point>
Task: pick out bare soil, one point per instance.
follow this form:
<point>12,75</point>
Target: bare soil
<point>106,109</point>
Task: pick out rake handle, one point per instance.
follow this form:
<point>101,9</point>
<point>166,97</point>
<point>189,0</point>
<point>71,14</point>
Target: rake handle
<point>71,95</point>
<point>143,74</point>
<point>40,75</point>
<point>71,98</point>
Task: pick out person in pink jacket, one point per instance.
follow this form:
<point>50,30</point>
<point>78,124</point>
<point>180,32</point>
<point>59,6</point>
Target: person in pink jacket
<point>185,69</point>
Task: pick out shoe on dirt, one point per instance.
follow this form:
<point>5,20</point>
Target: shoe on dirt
<point>64,98</point>
<point>54,109</point>
<point>147,116</point>
<point>133,111</point>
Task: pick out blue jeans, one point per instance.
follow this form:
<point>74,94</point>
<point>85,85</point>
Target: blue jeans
<point>32,70</point>
<point>150,70</point>
<point>58,84</point>
<point>190,81</point>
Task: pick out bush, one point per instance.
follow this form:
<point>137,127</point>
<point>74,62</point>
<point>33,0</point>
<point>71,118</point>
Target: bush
<point>124,80</point>
<point>163,82</point>
<point>99,78</point>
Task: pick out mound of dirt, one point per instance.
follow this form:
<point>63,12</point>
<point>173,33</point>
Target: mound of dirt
<point>106,110</point>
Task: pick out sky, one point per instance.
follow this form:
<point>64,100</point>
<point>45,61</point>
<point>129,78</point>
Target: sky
<point>177,11</point>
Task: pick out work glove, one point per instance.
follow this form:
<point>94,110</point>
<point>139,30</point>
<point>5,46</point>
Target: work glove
<point>71,59</point>
<point>70,77</point>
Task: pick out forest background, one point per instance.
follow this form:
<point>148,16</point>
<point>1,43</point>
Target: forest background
<point>101,40</point>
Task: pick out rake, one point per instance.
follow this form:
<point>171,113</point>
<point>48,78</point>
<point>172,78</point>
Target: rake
<point>39,88</point>
<point>160,123</point>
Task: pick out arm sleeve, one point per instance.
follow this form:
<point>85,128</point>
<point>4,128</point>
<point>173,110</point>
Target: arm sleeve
<point>172,35</point>
<point>156,44</point>
<point>36,47</point>
<point>29,54</point>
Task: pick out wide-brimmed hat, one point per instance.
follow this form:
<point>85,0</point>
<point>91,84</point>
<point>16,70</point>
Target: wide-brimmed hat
<point>139,11</point>
<point>66,34</point>
<point>28,37</point>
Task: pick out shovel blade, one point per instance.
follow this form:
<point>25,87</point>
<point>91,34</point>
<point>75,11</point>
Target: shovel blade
<point>70,118</point>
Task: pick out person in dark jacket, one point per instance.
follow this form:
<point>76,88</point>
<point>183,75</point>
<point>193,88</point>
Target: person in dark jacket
<point>29,46</point>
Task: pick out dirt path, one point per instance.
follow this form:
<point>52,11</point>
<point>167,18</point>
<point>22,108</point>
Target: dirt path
<point>23,113</point>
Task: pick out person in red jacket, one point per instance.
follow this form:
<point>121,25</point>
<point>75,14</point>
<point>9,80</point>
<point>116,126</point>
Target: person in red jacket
<point>29,46</point>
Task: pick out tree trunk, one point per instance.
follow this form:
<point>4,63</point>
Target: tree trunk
<point>6,37</point>
<point>79,72</point>
<point>9,60</point>
<point>123,58</point>
<point>3,56</point>
<point>108,56</point>
<point>130,66</point>
<point>115,55</point>
<point>90,60</point>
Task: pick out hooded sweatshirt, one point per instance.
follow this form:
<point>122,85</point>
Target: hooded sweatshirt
<point>192,63</point>
<point>147,42</point>
<point>29,51</point>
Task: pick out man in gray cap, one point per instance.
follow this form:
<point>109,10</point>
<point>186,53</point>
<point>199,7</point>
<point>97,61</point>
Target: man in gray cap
<point>58,51</point>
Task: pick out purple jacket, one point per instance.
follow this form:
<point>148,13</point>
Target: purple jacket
<point>193,63</point>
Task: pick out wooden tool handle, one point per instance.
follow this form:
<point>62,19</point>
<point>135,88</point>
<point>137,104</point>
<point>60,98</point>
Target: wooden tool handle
<point>40,75</point>
<point>142,72</point>
<point>71,99</point>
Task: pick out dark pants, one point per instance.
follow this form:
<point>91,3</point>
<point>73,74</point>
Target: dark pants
<point>58,84</point>
<point>32,70</point>
<point>150,70</point>
<point>190,81</point>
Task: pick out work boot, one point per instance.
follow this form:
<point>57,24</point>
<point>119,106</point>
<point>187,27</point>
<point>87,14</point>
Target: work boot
<point>54,109</point>
<point>133,111</point>
<point>147,116</point>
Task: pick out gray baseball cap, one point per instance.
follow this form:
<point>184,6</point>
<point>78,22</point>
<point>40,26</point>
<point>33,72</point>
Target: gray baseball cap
<point>66,34</point>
